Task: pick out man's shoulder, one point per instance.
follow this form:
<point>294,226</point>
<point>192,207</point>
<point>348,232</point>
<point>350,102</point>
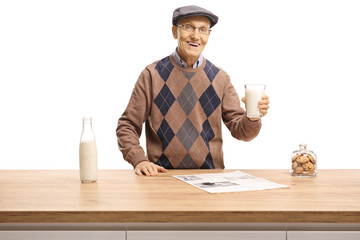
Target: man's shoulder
<point>212,69</point>
<point>162,67</point>
<point>160,64</point>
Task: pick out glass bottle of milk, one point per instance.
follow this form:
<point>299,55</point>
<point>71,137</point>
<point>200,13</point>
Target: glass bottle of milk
<point>88,153</point>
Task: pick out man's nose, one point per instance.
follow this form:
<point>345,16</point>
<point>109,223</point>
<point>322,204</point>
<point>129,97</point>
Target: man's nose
<point>195,34</point>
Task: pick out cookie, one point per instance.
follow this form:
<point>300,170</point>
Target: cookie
<point>308,166</point>
<point>295,165</point>
<point>299,169</point>
<point>303,159</point>
<point>295,157</point>
<point>311,158</point>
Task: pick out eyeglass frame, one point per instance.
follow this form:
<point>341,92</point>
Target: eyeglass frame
<point>194,28</point>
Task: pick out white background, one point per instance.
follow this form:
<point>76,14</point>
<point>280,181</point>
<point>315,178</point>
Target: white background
<point>62,60</point>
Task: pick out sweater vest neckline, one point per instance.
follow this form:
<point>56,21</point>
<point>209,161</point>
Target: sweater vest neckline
<point>198,69</point>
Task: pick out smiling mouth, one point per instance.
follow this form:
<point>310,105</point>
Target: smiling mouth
<point>193,44</point>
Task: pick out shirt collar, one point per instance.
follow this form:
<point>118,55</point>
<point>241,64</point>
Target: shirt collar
<point>182,63</point>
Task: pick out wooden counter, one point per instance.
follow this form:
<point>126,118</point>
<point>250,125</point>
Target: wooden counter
<point>57,196</point>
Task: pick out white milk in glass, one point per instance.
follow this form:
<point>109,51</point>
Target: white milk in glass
<point>88,153</point>
<point>253,94</point>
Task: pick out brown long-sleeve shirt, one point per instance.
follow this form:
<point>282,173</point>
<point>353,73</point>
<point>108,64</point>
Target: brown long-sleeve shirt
<point>182,109</point>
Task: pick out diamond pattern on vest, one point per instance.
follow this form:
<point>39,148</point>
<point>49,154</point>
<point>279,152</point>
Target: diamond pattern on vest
<point>209,100</point>
<point>165,134</point>
<point>207,133</point>
<point>189,75</point>
<point>208,164</point>
<point>187,99</point>
<point>187,134</point>
<point>210,70</point>
<point>184,144</point>
<point>164,162</point>
<point>176,152</point>
<point>187,163</point>
<point>164,68</point>
<point>164,99</point>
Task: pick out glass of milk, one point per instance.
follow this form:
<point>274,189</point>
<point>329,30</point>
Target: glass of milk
<point>88,153</point>
<point>253,94</point>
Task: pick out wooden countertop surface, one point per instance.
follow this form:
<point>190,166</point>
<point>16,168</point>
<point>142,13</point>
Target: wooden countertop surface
<point>29,196</point>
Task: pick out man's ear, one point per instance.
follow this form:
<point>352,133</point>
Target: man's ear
<point>174,32</point>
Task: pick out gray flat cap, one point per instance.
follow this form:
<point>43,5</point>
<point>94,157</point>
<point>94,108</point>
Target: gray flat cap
<point>192,10</point>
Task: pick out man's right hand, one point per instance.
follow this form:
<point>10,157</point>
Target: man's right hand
<point>148,169</point>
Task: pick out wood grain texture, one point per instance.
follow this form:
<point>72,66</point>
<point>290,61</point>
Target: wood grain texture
<point>30,196</point>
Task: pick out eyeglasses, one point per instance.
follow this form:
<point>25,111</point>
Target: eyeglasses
<point>190,28</point>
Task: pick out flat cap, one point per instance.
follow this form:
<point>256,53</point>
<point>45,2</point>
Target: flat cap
<point>192,10</point>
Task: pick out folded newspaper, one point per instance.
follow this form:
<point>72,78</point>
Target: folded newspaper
<point>228,182</point>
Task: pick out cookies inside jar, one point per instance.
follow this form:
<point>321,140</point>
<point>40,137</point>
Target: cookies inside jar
<point>303,162</point>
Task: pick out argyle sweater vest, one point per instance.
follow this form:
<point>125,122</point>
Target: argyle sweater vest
<point>183,109</point>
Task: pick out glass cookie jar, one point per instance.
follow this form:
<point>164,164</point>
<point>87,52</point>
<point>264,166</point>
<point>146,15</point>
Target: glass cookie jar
<point>303,162</point>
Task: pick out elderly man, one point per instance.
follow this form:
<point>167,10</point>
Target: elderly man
<point>182,98</point>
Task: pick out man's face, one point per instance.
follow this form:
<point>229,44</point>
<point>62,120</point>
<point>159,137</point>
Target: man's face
<point>191,44</point>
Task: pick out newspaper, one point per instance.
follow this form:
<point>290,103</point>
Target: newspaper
<point>228,182</point>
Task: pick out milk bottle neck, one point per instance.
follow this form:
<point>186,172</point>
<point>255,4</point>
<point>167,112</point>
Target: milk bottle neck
<point>87,133</point>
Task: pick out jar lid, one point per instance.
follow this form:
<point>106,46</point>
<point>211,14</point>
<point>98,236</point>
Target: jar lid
<point>302,146</point>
